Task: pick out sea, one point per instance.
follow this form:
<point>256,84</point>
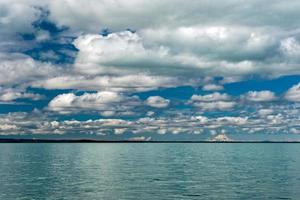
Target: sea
<point>149,171</point>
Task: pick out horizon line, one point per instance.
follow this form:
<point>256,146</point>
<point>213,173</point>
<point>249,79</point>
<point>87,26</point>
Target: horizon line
<point>12,140</point>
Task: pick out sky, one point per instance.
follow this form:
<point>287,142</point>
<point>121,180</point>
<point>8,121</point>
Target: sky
<point>150,70</point>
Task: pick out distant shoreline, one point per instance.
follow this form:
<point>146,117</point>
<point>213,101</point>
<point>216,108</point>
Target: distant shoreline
<point>126,141</point>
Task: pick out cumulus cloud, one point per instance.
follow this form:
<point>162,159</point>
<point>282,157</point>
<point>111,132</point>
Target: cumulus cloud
<point>40,123</point>
<point>212,87</point>
<point>233,120</point>
<point>13,22</point>
<point>130,47</point>
<point>213,101</point>
<point>125,52</point>
<point>13,94</point>
<point>215,42</point>
<point>157,102</point>
<point>19,69</point>
<point>163,52</point>
<point>23,71</point>
<point>293,94</point>
<point>290,48</point>
<point>97,52</point>
<point>260,96</point>
<point>122,14</point>
<point>294,131</point>
<point>188,43</point>
<point>216,96</point>
<point>128,52</point>
<point>107,103</point>
<point>129,83</point>
<point>215,105</point>
<point>201,119</point>
<point>187,52</point>
<point>265,112</point>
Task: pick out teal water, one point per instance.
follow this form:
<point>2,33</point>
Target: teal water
<point>149,171</point>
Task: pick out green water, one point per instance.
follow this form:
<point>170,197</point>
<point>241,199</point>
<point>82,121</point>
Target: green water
<point>149,171</point>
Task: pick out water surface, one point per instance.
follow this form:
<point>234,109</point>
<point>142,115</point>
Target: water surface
<point>149,171</point>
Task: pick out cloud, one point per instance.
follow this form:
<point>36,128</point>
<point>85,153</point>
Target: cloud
<point>186,52</point>
<point>201,119</point>
<point>19,69</point>
<point>265,112</point>
<point>16,31</point>
<point>157,102</point>
<point>97,52</point>
<point>290,48</point>
<point>13,94</point>
<point>124,52</point>
<point>186,44</point>
<point>106,102</point>
<point>293,94</point>
<point>212,87</point>
<point>260,96</point>
<point>214,43</point>
<point>23,71</point>
<point>112,50</point>
<point>213,101</point>
<point>233,120</point>
<point>216,96</point>
<point>294,131</point>
<point>162,57</point>
<point>136,14</point>
<point>38,123</point>
<point>13,22</point>
<point>129,83</point>
<point>215,105</point>
<point>284,119</point>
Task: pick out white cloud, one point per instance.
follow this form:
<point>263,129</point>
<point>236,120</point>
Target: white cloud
<point>124,53</point>
<point>101,54</point>
<point>16,19</point>
<point>21,69</point>
<point>294,131</point>
<point>216,96</point>
<point>265,112</point>
<point>233,120</point>
<point>260,96</point>
<point>185,52</point>
<point>201,119</point>
<point>119,131</point>
<point>92,15</point>
<point>215,105</point>
<point>109,103</point>
<point>131,83</point>
<point>157,102</point>
<point>293,94</point>
<point>8,127</point>
<point>213,101</point>
<point>126,61</point>
<point>170,46</point>
<point>290,47</point>
<point>276,119</point>
<point>13,94</point>
<point>39,122</point>
<point>212,87</point>
<point>189,43</point>
<point>12,20</point>
<point>214,42</point>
